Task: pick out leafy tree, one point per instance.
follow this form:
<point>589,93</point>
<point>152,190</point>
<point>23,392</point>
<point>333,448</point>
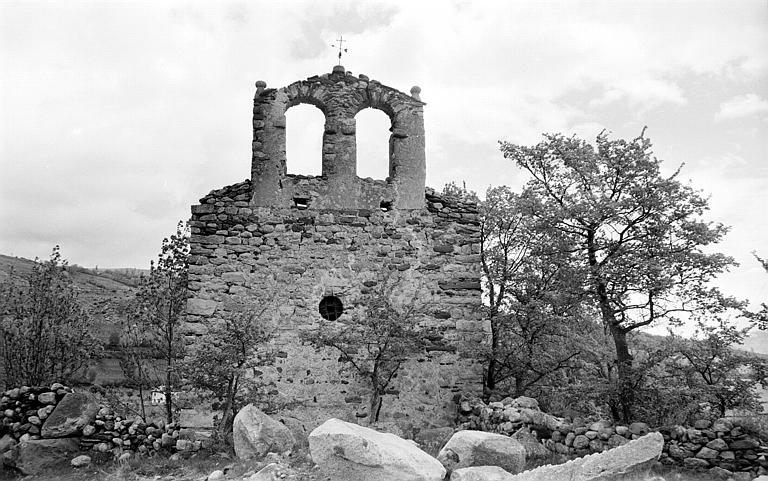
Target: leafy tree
<point>225,360</point>
<point>160,303</point>
<point>46,333</point>
<point>712,364</point>
<point>374,340</point>
<point>533,305</point>
<point>632,238</point>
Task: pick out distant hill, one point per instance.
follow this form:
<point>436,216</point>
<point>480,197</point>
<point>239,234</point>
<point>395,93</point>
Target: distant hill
<point>757,342</point>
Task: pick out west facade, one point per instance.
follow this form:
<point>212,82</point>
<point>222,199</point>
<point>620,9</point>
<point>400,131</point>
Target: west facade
<point>293,242</point>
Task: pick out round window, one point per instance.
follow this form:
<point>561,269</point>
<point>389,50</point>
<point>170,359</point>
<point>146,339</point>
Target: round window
<point>331,308</point>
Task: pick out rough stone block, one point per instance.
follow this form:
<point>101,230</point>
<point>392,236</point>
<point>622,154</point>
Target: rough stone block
<point>201,307</point>
<point>72,414</point>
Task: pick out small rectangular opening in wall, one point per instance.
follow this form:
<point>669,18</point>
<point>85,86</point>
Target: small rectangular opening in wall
<point>385,205</point>
<point>301,203</point>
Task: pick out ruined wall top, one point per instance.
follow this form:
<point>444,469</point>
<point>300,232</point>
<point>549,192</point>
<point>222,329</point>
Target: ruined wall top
<point>339,96</point>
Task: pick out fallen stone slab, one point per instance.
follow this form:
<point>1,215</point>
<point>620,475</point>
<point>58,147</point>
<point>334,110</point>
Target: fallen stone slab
<point>478,448</point>
<point>631,457</point>
<point>480,473</point>
<point>349,452</point>
<point>255,434</point>
<point>72,414</point>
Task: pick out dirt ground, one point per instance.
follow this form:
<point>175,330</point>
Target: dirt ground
<point>196,468</point>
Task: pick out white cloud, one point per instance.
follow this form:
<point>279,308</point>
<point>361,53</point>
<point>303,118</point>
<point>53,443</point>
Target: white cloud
<point>742,106</point>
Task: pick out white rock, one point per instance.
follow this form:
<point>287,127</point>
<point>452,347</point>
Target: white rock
<point>256,434</point>
<point>478,448</point>
<point>480,473</point>
<point>80,461</point>
<point>348,452</point>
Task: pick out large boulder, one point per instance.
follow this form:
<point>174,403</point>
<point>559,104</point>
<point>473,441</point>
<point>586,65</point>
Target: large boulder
<point>478,448</point>
<point>480,473</point>
<point>348,452</point>
<point>255,434</point>
<point>35,456</point>
<point>72,414</point>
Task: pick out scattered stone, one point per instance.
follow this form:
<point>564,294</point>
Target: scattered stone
<point>349,452</point>
<point>256,434</point>
<point>719,473</point>
<point>270,472</point>
<point>478,448</point>
<point>47,398</point>
<point>7,443</point>
<point>215,475</point>
<point>80,461</point>
<point>641,429</point>
<point>183,445</point>
<point>525,402</point>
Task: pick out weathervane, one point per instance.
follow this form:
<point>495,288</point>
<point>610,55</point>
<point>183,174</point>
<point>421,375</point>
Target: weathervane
<point>340,41</point>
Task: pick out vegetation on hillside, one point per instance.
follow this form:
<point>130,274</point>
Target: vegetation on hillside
<point>45,333</point>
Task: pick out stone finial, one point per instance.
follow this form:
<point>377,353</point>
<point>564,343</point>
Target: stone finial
<point>339,69</point>
<point>415,91</point>
<point>260,86</point>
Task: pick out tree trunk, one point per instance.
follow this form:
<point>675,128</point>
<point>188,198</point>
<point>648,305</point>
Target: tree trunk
<point>228,412</point>
<point>375,407</point>
<point>623,358</point>
<point>626,395</point>
<point>490,375</point>
<point>141,396</point>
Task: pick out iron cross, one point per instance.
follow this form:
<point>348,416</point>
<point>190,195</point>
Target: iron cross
<point>340,41</point>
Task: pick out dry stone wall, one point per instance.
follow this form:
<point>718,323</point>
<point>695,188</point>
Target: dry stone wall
<point>32,415</point>
<point>720,447</point>
<point>242,253</point>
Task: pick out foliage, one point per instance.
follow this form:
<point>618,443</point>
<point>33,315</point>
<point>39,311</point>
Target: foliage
<point>46,333</point>
<point>537,319</point>
<point>760,317</point>
<point>225,360</point>
<point>632,238</point>
<point>374,340</point>
<point>160,304</point>
<point>452,189</point>
<point>711,365</point>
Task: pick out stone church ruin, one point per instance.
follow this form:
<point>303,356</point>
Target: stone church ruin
<point>316,244</point>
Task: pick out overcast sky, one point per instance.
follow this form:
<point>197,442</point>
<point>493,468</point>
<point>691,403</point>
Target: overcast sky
<point>115,117</point>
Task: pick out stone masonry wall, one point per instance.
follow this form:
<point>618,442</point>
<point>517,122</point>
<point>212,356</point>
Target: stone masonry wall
<point>241,252</point>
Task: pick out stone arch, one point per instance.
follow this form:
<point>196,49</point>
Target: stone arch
<point>373,144</point>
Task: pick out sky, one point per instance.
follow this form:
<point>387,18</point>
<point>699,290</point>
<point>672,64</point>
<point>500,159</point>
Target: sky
<point>115,117</point>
